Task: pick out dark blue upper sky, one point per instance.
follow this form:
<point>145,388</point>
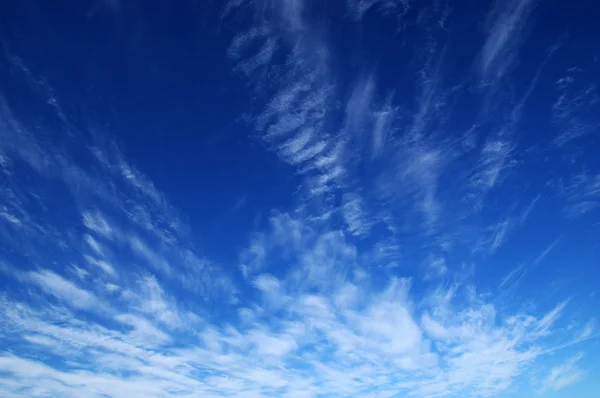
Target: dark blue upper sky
<point>299,198</point>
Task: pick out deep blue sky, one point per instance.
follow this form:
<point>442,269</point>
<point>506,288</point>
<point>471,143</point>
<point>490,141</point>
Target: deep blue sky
<point>299,198</point>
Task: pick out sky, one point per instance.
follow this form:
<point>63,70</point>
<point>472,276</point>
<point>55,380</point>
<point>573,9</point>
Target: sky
<point>299,198</point>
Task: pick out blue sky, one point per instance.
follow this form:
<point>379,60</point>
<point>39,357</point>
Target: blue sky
<point>299,198</point>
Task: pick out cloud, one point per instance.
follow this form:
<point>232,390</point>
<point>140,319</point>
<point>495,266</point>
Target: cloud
<point>285,234</point>
<point>576,100</point>
<point>123,212</point>
<point>10,218</point>
<point>339,334</point>
<point>63,289</point>
<point>500,235</point>
<point>550,318</point>
<point>539,259</point>
<point>358,8</point>
<point>322,325</point>
<point>150,210</point>
<point>96,222</point>
<point>494,159</point>
<point>93,244</point>
<point>384,119</point>
<point>359,107</point>
<point>103,265</point>
<point>154,259</point>
<point>513,277</point>
<point>291,120</point>
<point>564,375</point>
<point>353,211</point>
<point>504,34</point>
<point>413,181</point>
<point>377,279</point>
<point>437,267</point>
<point>582,194</point>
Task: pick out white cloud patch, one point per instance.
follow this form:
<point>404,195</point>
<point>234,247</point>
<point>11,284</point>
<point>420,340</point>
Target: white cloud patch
<point>505,29</point>
<point>358,8</point>
<point>63,289</point>
<point>564,375</point>
<point>292,120</point>
<point>577,99</point>
<point>103,265</point>
<point>97,223</point>
<point>383,126</point>
<point>354,212</point>
<point>494,160</point>
<point>359,107</point>
<point>582,194</point>
<point>345,342</point>
<point>93,244</point>
<point>437,267</point>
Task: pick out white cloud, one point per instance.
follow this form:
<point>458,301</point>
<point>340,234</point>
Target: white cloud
<point>96,222</point>
<point>141,183</point>
<point>359,110</point>
<point>103,265</point>
<point>317,311</point>
<point>293,119</point>
<point>341,338</point>
<point>577,100</point>
<point>437,267</point>
<point>383,126</point>
<point>154,259</point>
<point>506,24</point>
<point>10,218</point>
<point>544,324</point>
<point>259,60</point>
<point>143,332</point>
<point>513,277</point>
<point>564,375</point>
<point>354,213</point>
<point>588,330</point>
<point>500,234</point>
<point>63,289</point>
<point>582,194</point>
<point>78,271</point>
<point>93,244</point>
<point>268,344</point>
<point>153,300</point>
<point>494,159</point>
<point>358,8</point>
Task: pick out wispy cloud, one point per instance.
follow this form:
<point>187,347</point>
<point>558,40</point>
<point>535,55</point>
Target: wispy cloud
<point>63,289</point>
<point>359,107</point>
<point>506,27</point>
<point>358,8</point>
<point>437,267</point>
<point>514,277</point>
<point>354,213</point>
<point>588,331</point>
<point>369,334</point>
<point>582,194</point>
<point>383,126</point>
<point>106,267</point>
<point>494,160</point>
<point>577,99</point>
<point>377,280</point>
<point>96,222</point>
<point>564,375</point>
<point>292,119</point>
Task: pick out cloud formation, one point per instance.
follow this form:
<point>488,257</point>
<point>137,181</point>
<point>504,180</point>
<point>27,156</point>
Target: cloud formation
<point>404,229</point>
